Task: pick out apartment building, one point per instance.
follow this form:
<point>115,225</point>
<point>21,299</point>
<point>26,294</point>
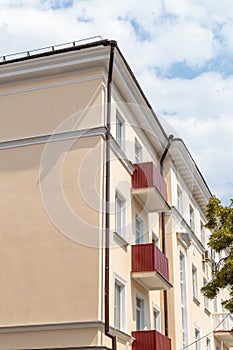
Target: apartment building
<point>102,212</point>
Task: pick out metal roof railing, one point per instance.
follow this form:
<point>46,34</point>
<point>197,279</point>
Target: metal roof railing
<point>31,53</point>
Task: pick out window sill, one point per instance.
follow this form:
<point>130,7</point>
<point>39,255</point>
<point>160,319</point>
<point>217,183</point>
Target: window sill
<point>120,240</point>
<point>207,311</point>
<point>196,301</point>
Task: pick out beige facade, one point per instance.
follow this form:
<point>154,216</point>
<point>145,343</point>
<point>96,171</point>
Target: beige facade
<point>54,115</point>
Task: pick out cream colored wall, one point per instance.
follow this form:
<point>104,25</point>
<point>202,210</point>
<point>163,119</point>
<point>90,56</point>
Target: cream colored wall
<point>133,131</point>
<point>48,282</point>
<point>197,315</point>
<point>120,256</point>
<point>44,272</point>
<point>174,296</point>
<point>39,107</point>
<point>49,339</point>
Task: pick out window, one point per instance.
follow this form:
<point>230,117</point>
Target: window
<point>179,199</point>
<point>183,289</point>
<point>195,283</point>
<point>120,214</point>
<point>140,314</point>
<point>138,152</point>
<point>191,213</point>
<point>206,300</point>
<point>215,304</point>
<point>197,339</point>
<point>155,239</point>
<point>120,130</point>
<point>208,344</point>
<point>157,319</point>
<point>139,230</point>
<point>119,305</point>
<point>202,233</point>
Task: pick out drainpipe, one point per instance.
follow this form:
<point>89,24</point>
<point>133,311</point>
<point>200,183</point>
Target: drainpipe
<point>170,139</point>
<point>113,44</point>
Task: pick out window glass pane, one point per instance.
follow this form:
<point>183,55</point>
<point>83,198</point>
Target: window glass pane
<point>157,319</point>
<point>206,300</point>
<point>208,344</point>
<point>139,314</point>
<point>191,212</point>
<point>179,199</point>
<point>184,312</point>
<point>138,152</point>
<point>195,285</point>
<point>202,233</point>
<point>139,230</point>
<point>120,131</point>
<point>215,305</point>
<point>120,214</point>
<point>155,239</point>
<point>118,305</point>
<point>197,339</point>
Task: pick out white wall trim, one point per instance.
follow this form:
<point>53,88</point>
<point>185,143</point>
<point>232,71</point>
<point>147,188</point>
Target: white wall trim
<point>47,86</point>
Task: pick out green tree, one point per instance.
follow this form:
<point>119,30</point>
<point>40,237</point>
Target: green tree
<point>220,222</point>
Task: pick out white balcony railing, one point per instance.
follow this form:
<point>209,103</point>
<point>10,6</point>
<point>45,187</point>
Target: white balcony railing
<point>223,321</point>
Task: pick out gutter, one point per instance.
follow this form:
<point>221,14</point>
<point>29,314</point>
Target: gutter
<point>165,305</point>
<point>112,44</point>
<point>170,139</point>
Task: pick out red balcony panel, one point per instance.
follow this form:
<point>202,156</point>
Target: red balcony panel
<point>150,340</point>
<point>150,266</point>
<point>147,175</point>
<point>149,187</point>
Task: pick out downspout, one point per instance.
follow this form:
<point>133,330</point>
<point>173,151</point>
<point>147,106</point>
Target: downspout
<point>170,139</point>
<point>113,44</point>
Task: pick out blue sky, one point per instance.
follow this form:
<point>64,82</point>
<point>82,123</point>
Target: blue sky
<point>180,51</point>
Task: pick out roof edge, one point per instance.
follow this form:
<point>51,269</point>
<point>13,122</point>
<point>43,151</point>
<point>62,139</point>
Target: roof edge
<point>53,51</point>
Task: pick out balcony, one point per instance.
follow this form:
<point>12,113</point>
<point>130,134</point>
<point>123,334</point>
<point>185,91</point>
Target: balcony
<point>150,340</point>
<point>223,323</point>
<point>149,187</point>
<point>150,267</point>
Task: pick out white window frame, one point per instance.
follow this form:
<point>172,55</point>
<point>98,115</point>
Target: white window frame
<point>120,214</point>
<point>202,229</point>
<point>192,217</point>
<point>120,130</point>
<point>141,297</point>
<point>208,343</point>
<point>206,300</point>
<point>184,303</point>
<point>179,200</point>
<point>139,239</point>
<point>197,337</point>
<point>195,282</point>
<point>216,304</point>
<point>155,239</point>
<point>138,152</point>
<point>122,283</point>
<point>157,322</point>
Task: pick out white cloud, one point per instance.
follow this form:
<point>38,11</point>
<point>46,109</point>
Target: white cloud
<point>194,32</point>
<point>210,143</point>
